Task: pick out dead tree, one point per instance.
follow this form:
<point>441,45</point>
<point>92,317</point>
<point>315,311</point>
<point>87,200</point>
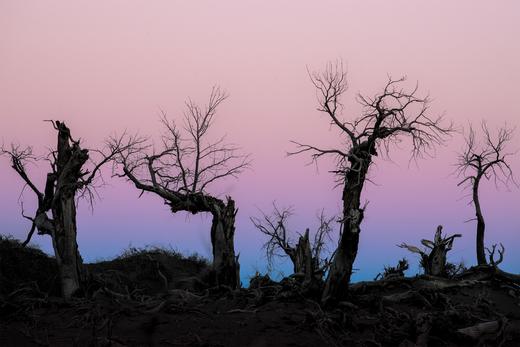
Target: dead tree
<point>491,252</point>
<point>387,118</point>
<point>487,159</point>
<point>307,258</point>
<point>67,180</point>
<point>183,169</point>
<point>391,272</point>
<point>434,262</point>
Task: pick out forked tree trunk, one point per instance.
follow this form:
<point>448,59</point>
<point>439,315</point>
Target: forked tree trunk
<point>225,263</point>
<point>341,268</point>
<point>481,225</point>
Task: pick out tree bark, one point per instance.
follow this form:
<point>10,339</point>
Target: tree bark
<point>436,260</point>
<point>301,258</point>
<point>225,263</point>
<point>69,161</point>
<point>65,246</point>
<point>56,212</point>
<point>481,225</point>
<point>341,268</point>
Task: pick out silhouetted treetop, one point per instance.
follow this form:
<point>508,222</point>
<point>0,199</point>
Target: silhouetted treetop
<point>485,157</point>
<point>386,118</point>
<point>180,172</point>
<point>187,162</point>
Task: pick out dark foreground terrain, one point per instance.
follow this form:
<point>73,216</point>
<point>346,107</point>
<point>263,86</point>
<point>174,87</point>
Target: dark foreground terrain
<point>158,298</point>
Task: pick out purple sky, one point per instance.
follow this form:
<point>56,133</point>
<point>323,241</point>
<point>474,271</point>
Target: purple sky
<point>107,66</point>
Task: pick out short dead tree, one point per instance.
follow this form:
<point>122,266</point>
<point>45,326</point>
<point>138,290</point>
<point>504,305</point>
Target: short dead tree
<point>68,180</point>
<point>307,257</point>
<point>491,253</point>
<point>489,159</point>
<point>391,272</point>
<point>434,259</point>
<point>181,172</point>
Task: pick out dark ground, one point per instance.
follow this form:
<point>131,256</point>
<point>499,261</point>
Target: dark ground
<point>158,298</point>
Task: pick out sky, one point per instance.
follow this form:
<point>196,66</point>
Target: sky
<point>104,67</point>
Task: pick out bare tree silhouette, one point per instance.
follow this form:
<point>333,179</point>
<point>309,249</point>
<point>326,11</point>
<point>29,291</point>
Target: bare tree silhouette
<point>434,262</point>
<point>387,118</point>
<point>487,159</point>
<point>491,252</point>
<point>308,257</point>
<point>67,181</point>
<point>181,172</point>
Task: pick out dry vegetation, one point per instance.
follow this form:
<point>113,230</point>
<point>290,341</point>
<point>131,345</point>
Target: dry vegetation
<point>158,297</point>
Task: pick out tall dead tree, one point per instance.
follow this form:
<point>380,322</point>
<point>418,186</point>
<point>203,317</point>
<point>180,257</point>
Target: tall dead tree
<point>183,169</point>
<point>486,159</point>
<point>67,180</point>
<point>307,256</point>
<point>387,118</point>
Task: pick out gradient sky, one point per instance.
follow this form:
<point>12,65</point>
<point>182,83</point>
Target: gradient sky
<point>107,66</point>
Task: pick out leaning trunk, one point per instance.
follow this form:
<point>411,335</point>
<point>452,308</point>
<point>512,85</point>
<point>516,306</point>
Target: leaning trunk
<point>341,268</point>
<point>481,226</point>
<point>225,263</point>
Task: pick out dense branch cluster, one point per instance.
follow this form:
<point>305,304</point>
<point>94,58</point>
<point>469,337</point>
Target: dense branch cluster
<point>183,169</point>
<point>280,241</point>
<point>385,118</point>
<point>187,163</point>
<point>67,176</point>
<point>488,159</point>
<point>184,165</point>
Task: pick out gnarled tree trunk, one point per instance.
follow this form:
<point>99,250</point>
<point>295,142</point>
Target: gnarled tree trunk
<point>182,171</point>
<point>434,262</point>
<point>65,246</point>
<point>301,258</point>
<point>225,263</point>
<point>69,161</point>
<point>341,268</point>
<point>56,212</point>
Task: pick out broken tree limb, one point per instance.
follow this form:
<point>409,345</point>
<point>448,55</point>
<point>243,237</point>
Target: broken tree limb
<point>434,261</point>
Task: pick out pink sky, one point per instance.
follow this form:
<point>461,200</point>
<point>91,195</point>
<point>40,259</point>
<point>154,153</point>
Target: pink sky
<point>107,66</point>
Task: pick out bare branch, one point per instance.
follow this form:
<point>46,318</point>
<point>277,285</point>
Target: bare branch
<point>188,162</point>
<point>491,253</point>
<point>275,228</point>
<point>486,159</point>
<point>387,118</point>
<point>330,86</point>
<point>280,242</point>
<point>20,157</point>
